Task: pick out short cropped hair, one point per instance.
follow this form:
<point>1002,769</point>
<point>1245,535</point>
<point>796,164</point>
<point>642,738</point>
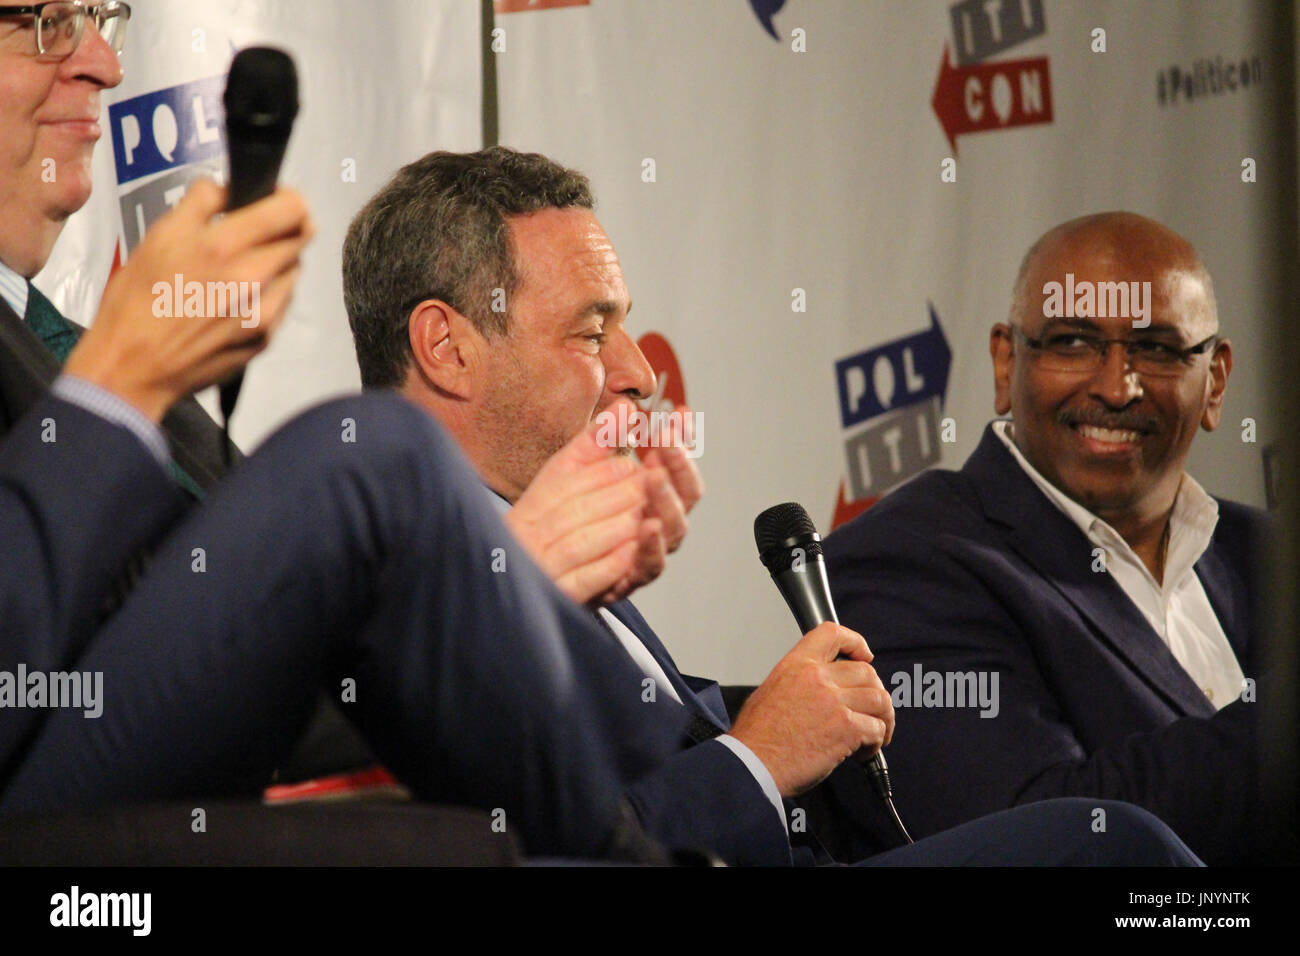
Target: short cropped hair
<point>438,230</point>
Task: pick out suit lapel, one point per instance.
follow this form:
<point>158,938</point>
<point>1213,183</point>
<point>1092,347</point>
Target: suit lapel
<point>27,369</point>
<point>703,697</point>
<point>1218,576</point>
<point>196,442</point>
<point>1062,554</point>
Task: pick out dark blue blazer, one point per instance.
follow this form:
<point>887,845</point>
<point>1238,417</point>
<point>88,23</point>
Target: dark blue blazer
<point>27,369</point>
<point>704,795</point>
<point>73,513</point>
<point>77,547</point>
<point>977,570</point>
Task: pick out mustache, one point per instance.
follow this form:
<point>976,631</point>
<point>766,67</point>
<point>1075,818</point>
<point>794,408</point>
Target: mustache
<point>1100,418</point>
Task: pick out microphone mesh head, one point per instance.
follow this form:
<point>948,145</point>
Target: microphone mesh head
<point>780,529</point>
<point>262,89</point>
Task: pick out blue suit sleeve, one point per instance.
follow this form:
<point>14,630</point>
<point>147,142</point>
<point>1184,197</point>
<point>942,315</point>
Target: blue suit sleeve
<point>705,797</point>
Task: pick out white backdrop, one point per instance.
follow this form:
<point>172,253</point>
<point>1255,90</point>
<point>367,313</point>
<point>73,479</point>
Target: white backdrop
<point>820,170</point>
<point>774,170</point>
<point>379,84</point>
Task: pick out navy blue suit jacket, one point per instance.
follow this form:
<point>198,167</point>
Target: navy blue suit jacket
<point>65,545</point>
<point>704,795</point>
<point>27,369</point>
<point>978,571</point>
<point>81,549</point>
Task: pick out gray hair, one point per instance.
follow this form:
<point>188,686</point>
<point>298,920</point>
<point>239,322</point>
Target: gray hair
<point>438,230</point>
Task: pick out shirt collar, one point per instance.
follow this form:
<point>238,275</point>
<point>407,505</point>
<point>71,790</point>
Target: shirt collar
<point>499,503</point>
<point>1191,524</point>
<point>13,288</point>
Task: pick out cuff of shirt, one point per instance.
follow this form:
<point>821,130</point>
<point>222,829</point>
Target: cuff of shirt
<point>115,409</point>
<point>760,772</point>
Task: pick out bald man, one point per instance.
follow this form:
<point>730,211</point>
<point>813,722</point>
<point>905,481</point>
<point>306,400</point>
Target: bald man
<point>1071,614</point>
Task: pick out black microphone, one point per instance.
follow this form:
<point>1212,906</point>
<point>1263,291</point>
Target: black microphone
<point>261,102</point>
<point>791,550</point>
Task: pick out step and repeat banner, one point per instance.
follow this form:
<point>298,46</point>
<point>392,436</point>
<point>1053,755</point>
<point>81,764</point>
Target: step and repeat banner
<point>378,84</point>
<point>820,207</point>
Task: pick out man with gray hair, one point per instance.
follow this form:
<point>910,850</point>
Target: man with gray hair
<point>482,287</point>
<point>1074,560</point>
<point>429,265</point>
<point>287,579</point>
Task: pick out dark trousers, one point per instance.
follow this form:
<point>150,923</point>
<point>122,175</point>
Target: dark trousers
<point>376,568</point>
<point>1062,832</point>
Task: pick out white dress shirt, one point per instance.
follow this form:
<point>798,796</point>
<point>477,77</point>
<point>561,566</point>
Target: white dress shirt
<point>13,288</point>
<point>1177,608</point>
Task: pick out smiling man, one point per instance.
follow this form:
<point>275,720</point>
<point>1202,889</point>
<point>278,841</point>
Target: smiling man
<point>51,121</point>
<point>1112,429</point>
<point>203,693</point>
<point>483,288</point>
<point>1076,560</point>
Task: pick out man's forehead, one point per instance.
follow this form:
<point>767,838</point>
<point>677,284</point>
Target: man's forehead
<point>571,231</point>
<point>566,246</point>
<point>1181,291</point>
<point>1107,254</point>
<point>1178,294</point>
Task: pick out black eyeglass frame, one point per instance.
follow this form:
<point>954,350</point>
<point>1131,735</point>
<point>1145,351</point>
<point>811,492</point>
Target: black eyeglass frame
<point>94,11</point>
<point>1101,346</point>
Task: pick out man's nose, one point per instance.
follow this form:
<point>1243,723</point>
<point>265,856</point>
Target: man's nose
<point>93,59</point>
<point>626,369</point>
<point>1115,383</point>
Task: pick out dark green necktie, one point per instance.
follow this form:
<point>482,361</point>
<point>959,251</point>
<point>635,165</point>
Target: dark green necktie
<point>59,336</point>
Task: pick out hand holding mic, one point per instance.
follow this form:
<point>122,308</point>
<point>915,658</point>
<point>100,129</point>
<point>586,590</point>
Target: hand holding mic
<point>790,548</point>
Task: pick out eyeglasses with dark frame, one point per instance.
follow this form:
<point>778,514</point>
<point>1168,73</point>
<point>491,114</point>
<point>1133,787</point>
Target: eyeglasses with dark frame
<point>58,25</point>
<point>1078,351</point>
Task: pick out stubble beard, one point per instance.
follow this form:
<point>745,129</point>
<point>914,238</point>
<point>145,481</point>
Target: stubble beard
<point>517,442</point>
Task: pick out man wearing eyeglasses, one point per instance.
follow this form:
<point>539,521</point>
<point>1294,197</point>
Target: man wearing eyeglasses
<point>129,367</point>
<point>208,670</point>
<point>57,58</point>
<point>1074,560</point>
<point>49,111</point>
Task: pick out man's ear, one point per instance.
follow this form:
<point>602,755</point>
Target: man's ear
<point>1217,386</point>
<point>446,347</point>
<point>1002,351</point>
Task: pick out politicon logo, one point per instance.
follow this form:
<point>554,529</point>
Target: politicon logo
<point>523,6</point>
<point>977,95</point>
<point>891,402</point>
<point>162,141</point>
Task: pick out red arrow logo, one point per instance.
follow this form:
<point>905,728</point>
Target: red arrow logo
<point>984,96</point>
<point>846,511</point>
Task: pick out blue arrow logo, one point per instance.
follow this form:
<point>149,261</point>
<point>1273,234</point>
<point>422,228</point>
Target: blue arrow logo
<point>903,372</point>
<point>765,10</point>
